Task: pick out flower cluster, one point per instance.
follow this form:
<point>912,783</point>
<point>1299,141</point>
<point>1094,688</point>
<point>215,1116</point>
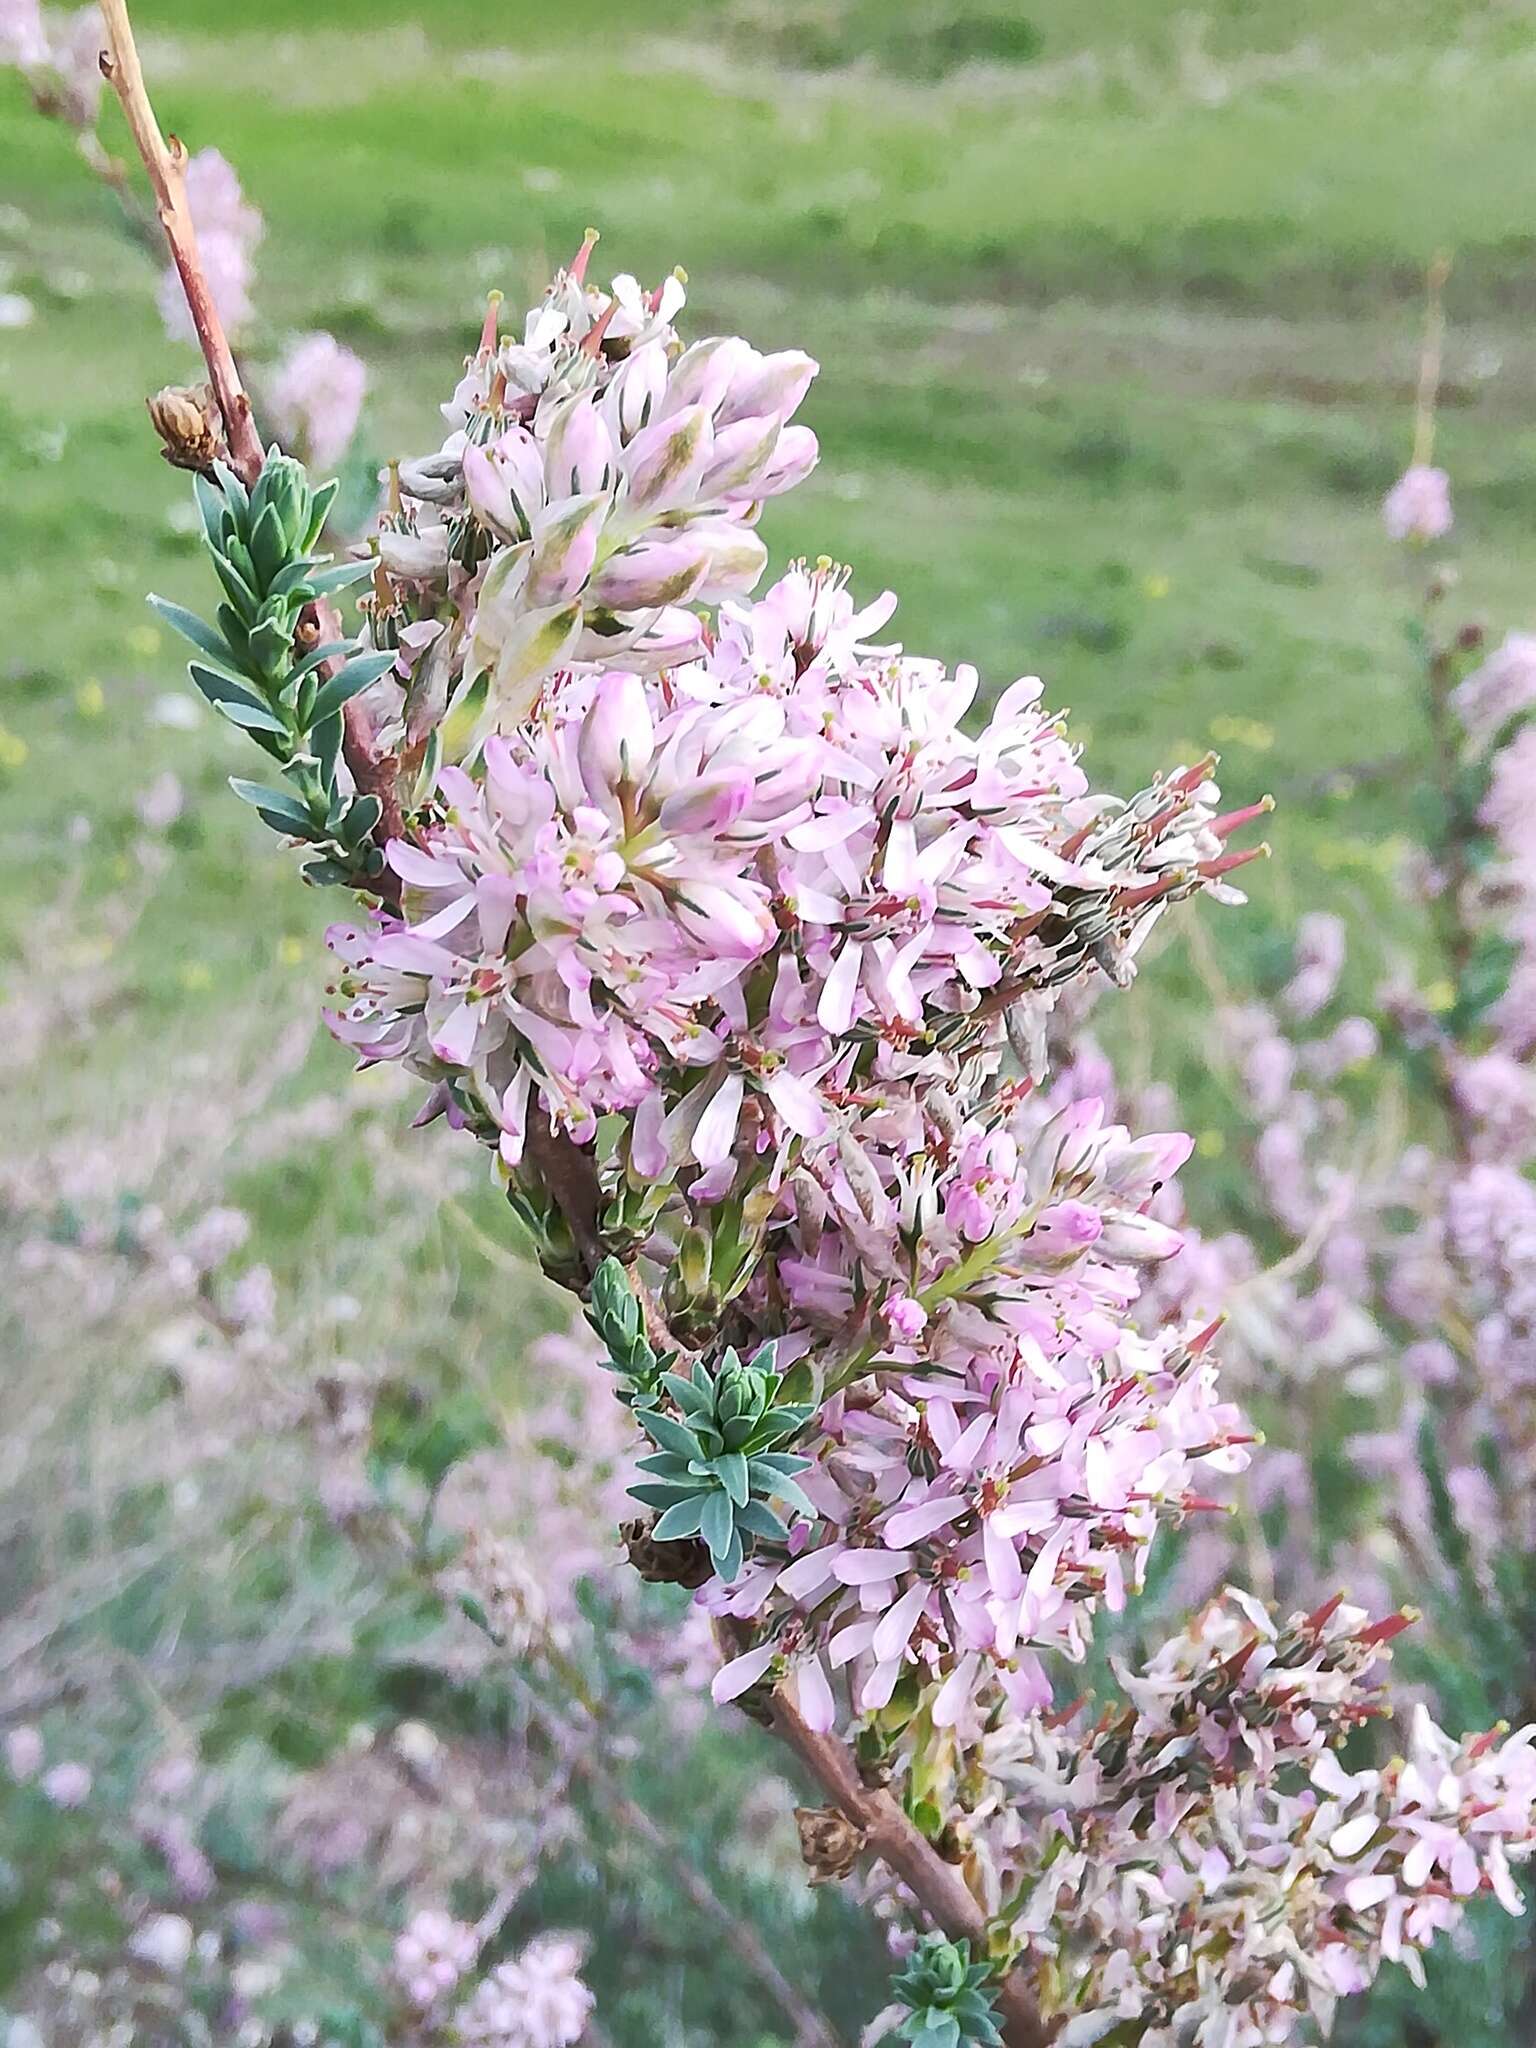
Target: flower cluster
<point>1203,1865</point>
<point>597,480</point>
<point>719,931</point>
<point>535,2000</point>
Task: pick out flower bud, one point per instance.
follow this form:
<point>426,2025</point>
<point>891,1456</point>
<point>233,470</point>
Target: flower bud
<point>652,573</point>
<point>579,453</point>
<point>685,1563</point>
<point>634,392</point>
<point>740,451</point>
<point>417,557</point>
<point>737,559</point>
<point>663,463</point>
<point>830,1844</point>
<point>692,1264</point>
<point>565,537</point>
<point>505,483</point>
<point>616,738</point>
<point>773,384</point>
<point>190,425</point>
<point>704,373</point>
<point>794,457</point>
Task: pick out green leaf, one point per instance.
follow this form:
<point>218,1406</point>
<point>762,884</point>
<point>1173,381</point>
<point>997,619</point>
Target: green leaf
<point>682,1519</point>
<point>326,873</point>
<point>281,809</point>
<point>325,739</point>
<point>363,813</point>
<point>192,628</point>
<point>235,493</point>
<point>730,1561</point>
<point>686,1394</point>
<point>670,1434</point>
<point>253,717</point>
<point>292,582</point>
<point>212,508</point>
<point>668,1465</point>
<point>236,588</point>
<point>269,545</point>
<point>731,1471</point>
<point>758,1519</point>
<point>321,502</point>
<point>357,674</point>
<point>666,1496</point>
<point>717,1525</point>
<point>325,582</point>
<point>329,652</point>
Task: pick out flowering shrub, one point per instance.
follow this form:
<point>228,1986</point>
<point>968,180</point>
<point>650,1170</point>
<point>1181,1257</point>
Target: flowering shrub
<point>709,923</point>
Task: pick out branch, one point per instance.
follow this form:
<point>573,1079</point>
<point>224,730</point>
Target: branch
<point>889,1834</point>
<point>166,161</point>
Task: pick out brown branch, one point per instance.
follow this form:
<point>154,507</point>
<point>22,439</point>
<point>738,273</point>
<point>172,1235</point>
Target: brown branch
<point>166,163</point>
<point>938,1886</point>
<point>165,160</point>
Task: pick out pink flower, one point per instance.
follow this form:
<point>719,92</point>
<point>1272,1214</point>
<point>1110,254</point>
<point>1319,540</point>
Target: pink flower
<point>432,1954</point>
<point>316,398</point>
<point>67,1784</point>
<point>1418,506</point>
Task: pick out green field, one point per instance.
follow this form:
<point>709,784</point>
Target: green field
<point>1118,307</point>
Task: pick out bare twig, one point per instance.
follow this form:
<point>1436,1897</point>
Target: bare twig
<point>890,1835</point>
<point>165,161</point>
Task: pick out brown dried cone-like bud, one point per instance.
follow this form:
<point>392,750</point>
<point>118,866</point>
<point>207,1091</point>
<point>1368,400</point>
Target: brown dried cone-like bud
<point>830,1843</point>
<point>190,426</point>
<point>685,1563</point>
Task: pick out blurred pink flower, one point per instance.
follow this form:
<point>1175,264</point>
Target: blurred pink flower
<point>1418,506</point>
<point>316,397</point>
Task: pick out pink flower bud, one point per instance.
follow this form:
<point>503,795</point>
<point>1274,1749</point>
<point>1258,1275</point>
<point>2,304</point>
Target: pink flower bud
<point>737,558</point>
<point>579,455</point>
<point>792,461</point>
<point>704,373</point>
<point>1418,506</point>
<point>740,451</point>
<point>907,1318</point>
<point>663,463</point>
<point>565,537</point>
<point>634,394</point>
<point>505,483</point>
<point>653,572</point>
<point>774,384</point>
<point>616,739</point>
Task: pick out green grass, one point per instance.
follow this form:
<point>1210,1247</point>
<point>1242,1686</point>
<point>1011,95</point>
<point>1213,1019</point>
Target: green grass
<point>1118,311</point>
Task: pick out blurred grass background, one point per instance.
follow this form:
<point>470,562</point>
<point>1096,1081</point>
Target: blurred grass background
<point>1118,307</point>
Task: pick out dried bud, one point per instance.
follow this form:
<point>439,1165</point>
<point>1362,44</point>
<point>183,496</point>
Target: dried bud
<point>830,1843</point>
<point>685,1563</point>
<point>190,426</point>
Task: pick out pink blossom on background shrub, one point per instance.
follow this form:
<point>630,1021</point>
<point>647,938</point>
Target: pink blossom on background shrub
<point>316,397</point>
<point>1418,506</point>
<point>228,230</point>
